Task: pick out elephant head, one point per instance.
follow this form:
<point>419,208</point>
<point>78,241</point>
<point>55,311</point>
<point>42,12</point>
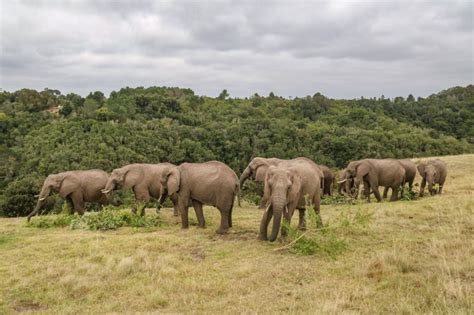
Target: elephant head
<point>123,178</point>
<point>256,170</point>
<point>345,182</point>
<point>116,180</point>
<point>56,183</point>
<point>428,173</point>
<point>282,187</point>
<point>171,180</point>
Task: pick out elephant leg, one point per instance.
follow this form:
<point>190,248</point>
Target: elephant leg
<point>183,210</point>
<point>375,189</point>
<point>199,213</point>
<point>267,216</point>
<point>286,222</point>
<point>385,192</point>
<point>440,188</point>
<point>394,196</point>
<point>422,187</point>
<point>78,202</point>
<point>142,196</point>
<point>317,209</point>
<point>367,191</point>
<point>302,221</point>
<point>224,227</point>
<point>70,205</point>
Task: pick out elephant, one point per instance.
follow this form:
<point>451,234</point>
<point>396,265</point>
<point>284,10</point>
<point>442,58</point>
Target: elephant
<point>377,172</point>
<point>143,179</point>
<point>345,184</point>
<point>258,167</point>
<point>410,173</point>
<point>434,172</point>
<point>210,183</point>
<point>288,188</point>
<point>328,176</point>
<point>76,187</point>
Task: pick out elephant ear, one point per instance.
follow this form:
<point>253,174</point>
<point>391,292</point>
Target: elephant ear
<point>295,190</point>
<point>362,169</point>
<point>130,177</point>
<point>421,169</point>
<point>67,184</point>
<point>173,181</point>
<point>261,170</point>
<point>267,190</point>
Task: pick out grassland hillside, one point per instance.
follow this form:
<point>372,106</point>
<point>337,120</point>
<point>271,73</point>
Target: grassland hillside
<point>401,257</point>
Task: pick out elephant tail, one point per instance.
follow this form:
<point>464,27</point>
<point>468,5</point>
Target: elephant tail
<point>237,193</point>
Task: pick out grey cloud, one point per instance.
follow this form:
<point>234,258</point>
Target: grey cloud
<point>343,49</point>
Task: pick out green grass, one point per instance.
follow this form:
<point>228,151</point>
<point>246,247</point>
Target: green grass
<point>405,257</point>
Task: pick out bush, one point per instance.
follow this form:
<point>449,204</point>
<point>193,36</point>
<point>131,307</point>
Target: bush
<point>330,240</point>
<point>50,221</point>
<point>106,219</point>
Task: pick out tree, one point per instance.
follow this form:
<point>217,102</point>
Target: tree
<point>223,95</point>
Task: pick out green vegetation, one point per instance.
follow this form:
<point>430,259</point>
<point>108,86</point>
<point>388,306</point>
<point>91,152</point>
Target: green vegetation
<point>47,132</point>
<point>107,219</point>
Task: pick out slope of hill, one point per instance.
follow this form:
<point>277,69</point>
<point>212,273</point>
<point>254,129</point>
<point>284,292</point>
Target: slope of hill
<point>400,257</point>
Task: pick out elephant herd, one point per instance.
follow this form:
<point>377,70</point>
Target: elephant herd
<point>289,185</point>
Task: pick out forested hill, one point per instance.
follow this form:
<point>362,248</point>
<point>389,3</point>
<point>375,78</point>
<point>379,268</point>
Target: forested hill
<point>47,132</point>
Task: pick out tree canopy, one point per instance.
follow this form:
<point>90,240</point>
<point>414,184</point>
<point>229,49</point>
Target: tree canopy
<point>47,132</point>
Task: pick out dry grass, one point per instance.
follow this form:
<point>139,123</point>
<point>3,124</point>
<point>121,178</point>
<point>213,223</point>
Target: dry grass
<point>413,257</point>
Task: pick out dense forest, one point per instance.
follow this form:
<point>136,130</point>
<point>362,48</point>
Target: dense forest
<point>47,132</point>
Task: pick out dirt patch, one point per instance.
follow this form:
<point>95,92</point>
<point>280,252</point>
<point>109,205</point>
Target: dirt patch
<point>29,306</point>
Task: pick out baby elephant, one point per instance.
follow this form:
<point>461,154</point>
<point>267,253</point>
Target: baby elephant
<point>212,183</point>
<point>76,187</point>
<point>434,172</point>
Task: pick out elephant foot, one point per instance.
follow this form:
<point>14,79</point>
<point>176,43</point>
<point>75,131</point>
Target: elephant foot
<point>222,231</point>
<point>262,237</point>
<point>302,227</point>
<point>201,226</point>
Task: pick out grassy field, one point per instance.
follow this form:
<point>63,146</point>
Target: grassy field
<point>407,257</point>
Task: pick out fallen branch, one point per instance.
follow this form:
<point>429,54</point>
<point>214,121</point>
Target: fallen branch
<point>291,243</point>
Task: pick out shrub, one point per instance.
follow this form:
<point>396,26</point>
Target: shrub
<point>329,240</point>
<point>106,219</point>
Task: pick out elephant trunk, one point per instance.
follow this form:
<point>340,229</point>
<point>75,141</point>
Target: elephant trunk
<point>278,204</point>
<point>246,174</point>
<point>108,187</point>
<point>45,191</point>
<point>430,186</point>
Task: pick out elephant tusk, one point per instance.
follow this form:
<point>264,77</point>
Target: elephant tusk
<point>268,208</point>
<point>41,199</point>
<point>36,196</point>
<point>342,181</point>
<point>105,191</point>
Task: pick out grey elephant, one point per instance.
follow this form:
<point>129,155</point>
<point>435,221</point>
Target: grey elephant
<point>286,189</point>
<point>345,184</point>
<point>328,177</point>
<point>258,167</point>
<point>410,173</point>
<point>377,172</point>
<point>211,183</point>
<point>143,179</point>
<point>76,187</point>
<point>432,172</point>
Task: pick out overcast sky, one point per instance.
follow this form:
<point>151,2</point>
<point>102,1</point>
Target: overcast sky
<point>343,49</point>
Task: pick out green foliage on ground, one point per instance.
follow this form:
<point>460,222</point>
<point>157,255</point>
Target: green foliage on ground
<point>329,240</point>
<point>107,219</point>
<point>47,132</point>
